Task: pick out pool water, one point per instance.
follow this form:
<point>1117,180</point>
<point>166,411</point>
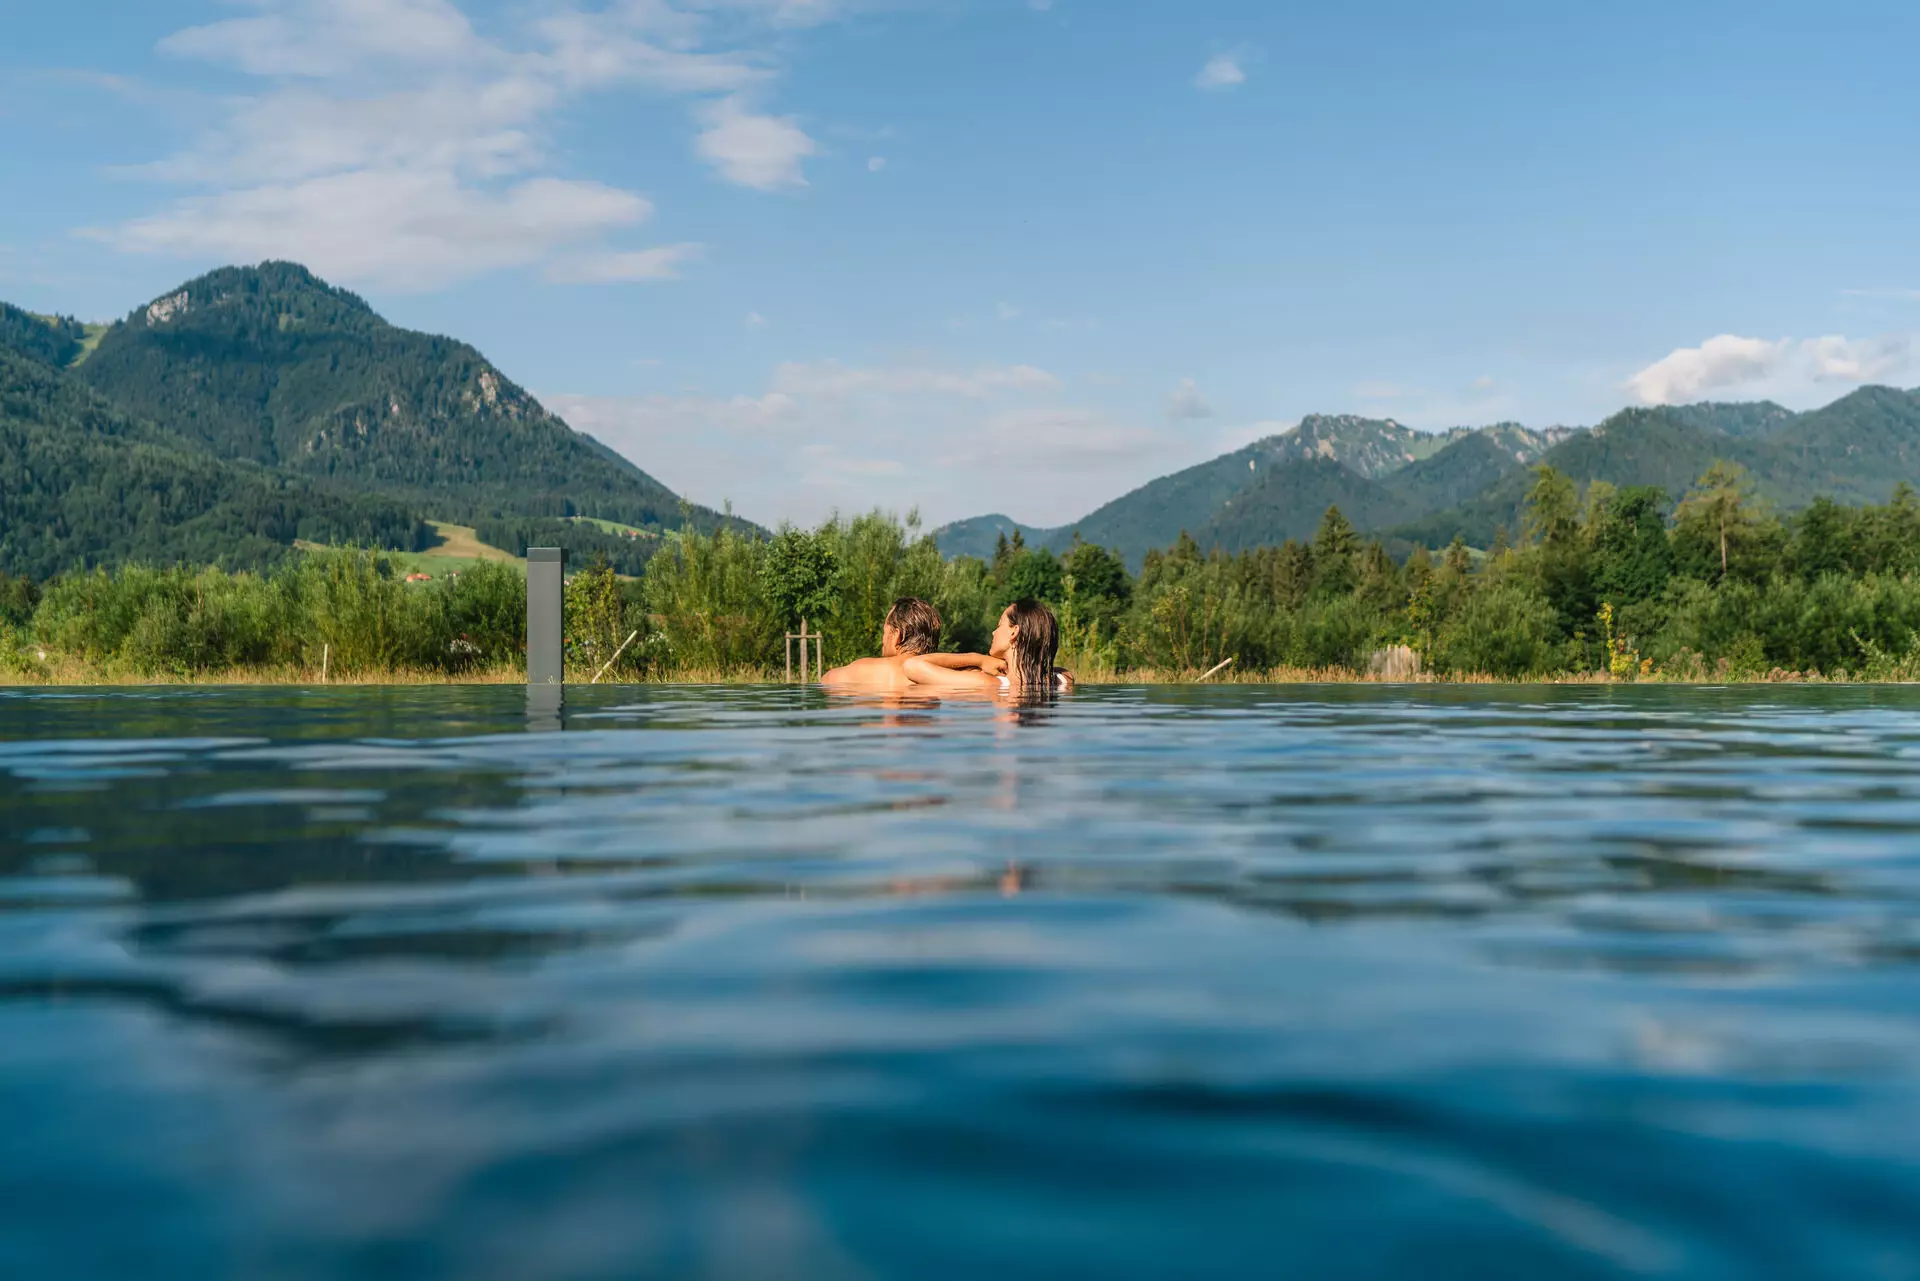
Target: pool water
<point>1202,982</point>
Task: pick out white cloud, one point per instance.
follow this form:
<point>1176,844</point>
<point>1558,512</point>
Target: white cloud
<point>828,435</point>
<point>322,38</point>
<point>1064,436</point>
<point>1863,360</point>
<point>755,320</point>
<point>407,230</point>
<point>1688,373</point>
<point>1755,366</point>
<point>476,131</point>
<point>785,13</point>
<point>754,150</point>
<point>1223,71</point>
<point>392,141</point>
<point>1187,402</point>
<point>834,380</point>
<point>660,263</point>
<point>876,163</point>
<point>624,46</point>
<point>1007,311</point>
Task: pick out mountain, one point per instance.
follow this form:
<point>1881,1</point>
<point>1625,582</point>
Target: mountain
<point>1752,419</point>
<point>49,340</point>
<point>978,535</point>
<point>1368,447</point>
<point>1634,447</point>
<point>1267,491</point>
<point>271,365</point>
<point>1159,511</point>
<point>82,484</point>
<point>1855,450</point>
<point>1288,501</point>
<point>254,407</point>
<point>1411,486</point>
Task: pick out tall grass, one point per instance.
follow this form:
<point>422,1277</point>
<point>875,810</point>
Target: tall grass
<point>706,610</point>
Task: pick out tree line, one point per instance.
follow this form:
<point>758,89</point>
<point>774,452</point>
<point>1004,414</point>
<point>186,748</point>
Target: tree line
<point>1617,581</point>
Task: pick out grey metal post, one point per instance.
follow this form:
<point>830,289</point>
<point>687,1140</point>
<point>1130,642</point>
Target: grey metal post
<point>546,580</point>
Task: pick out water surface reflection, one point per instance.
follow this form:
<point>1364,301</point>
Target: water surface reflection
<point>1330,981</point>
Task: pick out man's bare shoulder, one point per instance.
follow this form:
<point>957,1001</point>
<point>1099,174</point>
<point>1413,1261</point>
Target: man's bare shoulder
<point>867,673</point>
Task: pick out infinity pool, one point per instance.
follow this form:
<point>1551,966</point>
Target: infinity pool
<point>1234,982</point>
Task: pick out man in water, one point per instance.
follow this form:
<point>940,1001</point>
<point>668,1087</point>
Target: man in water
<point>912,630</point>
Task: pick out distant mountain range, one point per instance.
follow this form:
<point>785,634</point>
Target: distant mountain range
<point>1410,487</point>
<point>256,406</point>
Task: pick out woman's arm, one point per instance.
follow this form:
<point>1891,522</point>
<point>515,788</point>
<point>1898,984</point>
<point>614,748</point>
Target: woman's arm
<point>966,662</point>
<point>923,672</point>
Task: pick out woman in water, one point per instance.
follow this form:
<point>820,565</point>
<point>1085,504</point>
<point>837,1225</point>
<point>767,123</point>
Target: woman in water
<point>1025,643</point>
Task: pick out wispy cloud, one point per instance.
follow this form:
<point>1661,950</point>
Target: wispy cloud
<point>950,440</point>
<point>1222,71</point>
<point>660,263</point>
<point>1187,402</point>
<point>1726,360</point>
<point>391,140</point>
<point>409,230</point>
<point>754,150</point>
<point>830,379</point>
<point>1893,294</point>
<point>1729,362</point>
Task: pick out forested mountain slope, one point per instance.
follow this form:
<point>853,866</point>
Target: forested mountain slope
<point>1288,501</point>
<point>1471,483</point>
<point>1855,450</point>
<point>81,484</point>
<point>50,340</point>
<point>1265,492</point>
<point>272,365</point>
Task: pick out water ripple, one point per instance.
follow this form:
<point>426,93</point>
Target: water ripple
<point>739,982</point>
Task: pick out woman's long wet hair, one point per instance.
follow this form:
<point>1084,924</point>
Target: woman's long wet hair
<point>1036,639</point>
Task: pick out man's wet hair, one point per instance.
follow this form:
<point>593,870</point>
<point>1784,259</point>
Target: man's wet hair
<point>916,625</point>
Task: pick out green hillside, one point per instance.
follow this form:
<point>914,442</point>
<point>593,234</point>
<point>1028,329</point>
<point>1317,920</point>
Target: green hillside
<point>49,340</point>
<point>1287,502</point>
<point>1754,419</point>
<point>255,409</point>
<point>1266,492</point>
<point>976,535</point>
<point>81,484</point>
<point>1427,488</point>
<point>271,365</point>
<point>1856,450</point>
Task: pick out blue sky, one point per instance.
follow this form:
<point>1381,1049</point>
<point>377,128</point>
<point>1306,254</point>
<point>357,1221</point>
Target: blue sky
<point>973,255</point>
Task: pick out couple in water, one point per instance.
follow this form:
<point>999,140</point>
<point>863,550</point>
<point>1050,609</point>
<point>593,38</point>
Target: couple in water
<point>1019,659</point>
